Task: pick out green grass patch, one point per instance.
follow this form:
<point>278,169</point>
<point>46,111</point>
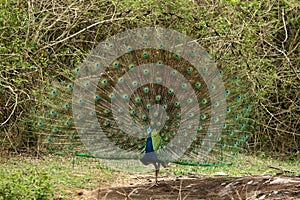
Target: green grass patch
<point>56,173</point>
<point>55,177</point>
<point>244,165</point>
<point>25,183</point>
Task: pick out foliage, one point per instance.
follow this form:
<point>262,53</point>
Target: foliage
<point>53,177</point>
<point>25,184</point>
<point>42,42</point>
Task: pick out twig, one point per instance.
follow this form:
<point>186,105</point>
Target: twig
<point>284,26</point>
<point>272,115</point>
<point>179,194</point>
<point>269,127</point>
<point>286,57</point>
<point>132,192</point>
<point>281,169</point>
<point>109,191</point>
<point>73,35</point>
<point>186,196</point>
<point>15,105</point>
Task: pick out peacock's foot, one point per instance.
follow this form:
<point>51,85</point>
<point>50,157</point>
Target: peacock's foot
<point>165,164</point>
<point>156,184</point>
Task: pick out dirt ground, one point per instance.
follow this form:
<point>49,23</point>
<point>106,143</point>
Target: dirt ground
<point>184,188</point>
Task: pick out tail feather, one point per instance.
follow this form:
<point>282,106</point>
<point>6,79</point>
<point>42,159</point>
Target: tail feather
<point>111,129</point>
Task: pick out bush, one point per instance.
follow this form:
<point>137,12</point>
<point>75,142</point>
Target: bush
<point>43,42</point>
<point>25,184</point>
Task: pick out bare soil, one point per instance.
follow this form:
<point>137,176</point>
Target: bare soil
<point>184,188</point>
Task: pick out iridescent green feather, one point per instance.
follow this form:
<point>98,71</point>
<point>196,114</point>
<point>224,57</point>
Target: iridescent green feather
<point>54,121</point>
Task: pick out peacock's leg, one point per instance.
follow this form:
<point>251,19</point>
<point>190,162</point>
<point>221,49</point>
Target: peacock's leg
<point>156,174</point>
<point>157,166</point>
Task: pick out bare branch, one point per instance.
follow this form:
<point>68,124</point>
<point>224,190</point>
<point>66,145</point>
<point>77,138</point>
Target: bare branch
<point>77,33</point>
<point>15,104</point>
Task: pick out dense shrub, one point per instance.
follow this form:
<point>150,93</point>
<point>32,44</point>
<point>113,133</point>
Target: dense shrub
<point>42,42</point>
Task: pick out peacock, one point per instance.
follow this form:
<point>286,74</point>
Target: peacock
<point>148,96</point>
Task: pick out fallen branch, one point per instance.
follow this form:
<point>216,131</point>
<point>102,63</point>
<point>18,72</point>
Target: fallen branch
<point>282,169</point>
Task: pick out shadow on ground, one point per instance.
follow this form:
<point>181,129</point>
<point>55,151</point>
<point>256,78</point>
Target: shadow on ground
<point>248,187</point>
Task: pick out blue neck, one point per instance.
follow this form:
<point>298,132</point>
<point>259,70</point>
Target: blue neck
<point>149,145</point>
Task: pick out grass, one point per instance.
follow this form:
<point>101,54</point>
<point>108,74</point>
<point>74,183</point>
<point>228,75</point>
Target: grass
<point>86,173</point>
<point>89,173</point>
<point>245,165</point>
